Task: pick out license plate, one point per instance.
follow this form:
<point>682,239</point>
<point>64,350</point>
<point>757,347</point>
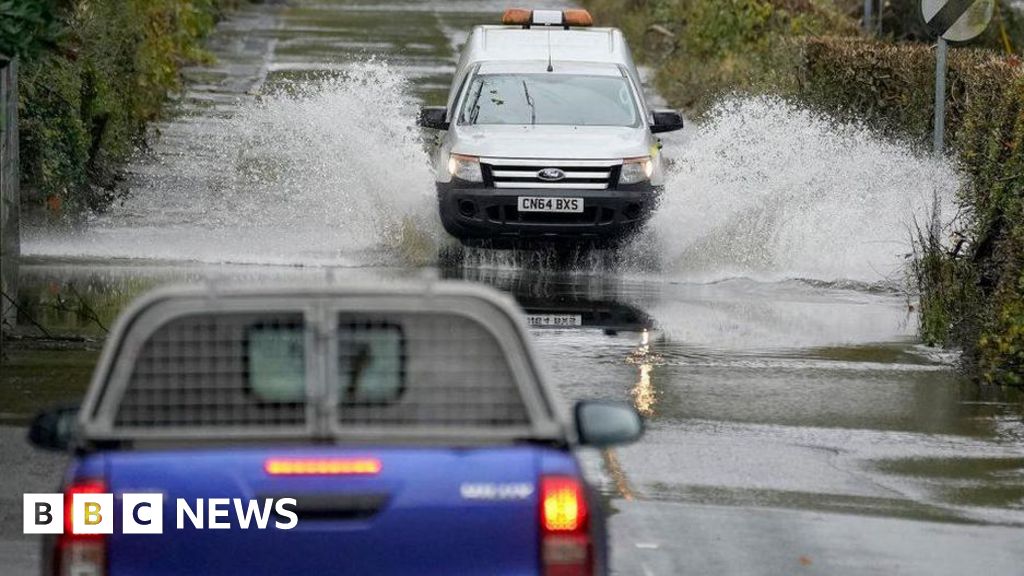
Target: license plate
<point>554,320</point>
<point>539,204</point>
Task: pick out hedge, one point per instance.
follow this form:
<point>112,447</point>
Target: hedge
<point>84,102</point>
<point>705,48</point>
<point>902,21</point>
<point>892,86</point>
<point>25,27</point>
<point>972,286</point>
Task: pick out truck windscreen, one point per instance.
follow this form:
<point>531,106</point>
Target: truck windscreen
<point>549,99</point>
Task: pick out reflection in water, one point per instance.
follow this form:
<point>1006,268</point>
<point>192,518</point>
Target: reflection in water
<point>785,373</point>
<point>617,474</point>
<point>643,393</point>
<point>562,301</point>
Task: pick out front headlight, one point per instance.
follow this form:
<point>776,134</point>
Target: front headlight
<point>636,170</point>
<point>465,168</point>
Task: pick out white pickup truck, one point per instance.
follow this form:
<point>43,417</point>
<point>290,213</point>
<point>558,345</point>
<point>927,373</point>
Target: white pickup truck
<point>547,135</point>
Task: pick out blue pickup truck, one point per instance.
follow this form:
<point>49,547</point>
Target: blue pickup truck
<point>405,429</point>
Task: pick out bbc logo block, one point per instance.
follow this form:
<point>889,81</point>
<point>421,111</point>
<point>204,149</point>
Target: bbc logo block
<point>43,513</point>
<point>93,513</point>
<point>143,513</point>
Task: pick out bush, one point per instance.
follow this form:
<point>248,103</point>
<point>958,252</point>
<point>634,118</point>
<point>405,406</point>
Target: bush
<point>25,27</point>
<point>903,22</point>
<point>892,86</point>
<point>972,293</point>
<point>704,48</point>
<point>85,102</point>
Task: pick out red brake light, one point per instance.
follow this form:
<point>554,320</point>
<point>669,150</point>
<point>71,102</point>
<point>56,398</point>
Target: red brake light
<point>80,554</point>
<point>322,466</point>
<point>566,548</point>
<point>80,487</point>
<point>564,508</point>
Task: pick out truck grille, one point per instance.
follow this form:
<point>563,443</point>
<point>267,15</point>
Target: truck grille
<point>577,174</point>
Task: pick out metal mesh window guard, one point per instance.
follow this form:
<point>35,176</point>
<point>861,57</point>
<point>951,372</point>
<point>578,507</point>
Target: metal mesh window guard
<point>248,370</point>
<point>219,370</point>
<point>424,369</point>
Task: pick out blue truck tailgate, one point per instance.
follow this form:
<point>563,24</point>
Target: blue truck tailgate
<point>424,511</point>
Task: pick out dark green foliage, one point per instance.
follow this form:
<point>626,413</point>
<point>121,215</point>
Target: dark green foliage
<point>903,21</point>
<point>705,48</point>
<point>994,144</point>
<point>892,86</point>
<point>54,140</point>
<point>26,26</point>
<point>972,293</point>
<point>971,286</point>
<point>84,102</point>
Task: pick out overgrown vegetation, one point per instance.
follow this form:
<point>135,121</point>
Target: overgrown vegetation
<point>87,94</point>
<point>704,48</point>
<point>971,284</point>
<point>901,22</point>
<point>25,27</point>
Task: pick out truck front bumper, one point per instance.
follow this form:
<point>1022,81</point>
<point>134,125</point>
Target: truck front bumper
<point>492,214</point>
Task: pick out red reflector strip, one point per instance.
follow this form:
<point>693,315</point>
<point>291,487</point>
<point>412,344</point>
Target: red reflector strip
<point>322,466</point>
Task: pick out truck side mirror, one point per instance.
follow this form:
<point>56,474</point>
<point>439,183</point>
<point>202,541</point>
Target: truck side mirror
<point>54,428</point>
<point>667,121</point>
<point>606,424</point>
<point>435,117</point>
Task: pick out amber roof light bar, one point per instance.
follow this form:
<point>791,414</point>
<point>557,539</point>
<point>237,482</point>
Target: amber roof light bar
<point>565,18</point>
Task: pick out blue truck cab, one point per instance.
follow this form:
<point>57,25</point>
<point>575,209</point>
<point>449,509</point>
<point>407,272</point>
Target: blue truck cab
<point>405,429</point>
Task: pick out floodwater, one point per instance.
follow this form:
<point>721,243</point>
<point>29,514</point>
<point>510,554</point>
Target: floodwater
<point>794,421</point>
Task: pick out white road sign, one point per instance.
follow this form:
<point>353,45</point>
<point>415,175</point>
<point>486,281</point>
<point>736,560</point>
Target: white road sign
<point>958,20</point>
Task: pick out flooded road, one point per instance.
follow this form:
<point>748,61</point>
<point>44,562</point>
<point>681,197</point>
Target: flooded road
<point>795,423</point>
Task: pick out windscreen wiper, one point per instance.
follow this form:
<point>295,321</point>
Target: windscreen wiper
<point>475,107</point>
<point>531,104</point>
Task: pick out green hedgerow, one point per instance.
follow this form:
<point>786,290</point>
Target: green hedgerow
<point>971,286</point>
<point>972,295</point>
<point>26,27</point>
<point>84,103</point>
<point>705,48</point>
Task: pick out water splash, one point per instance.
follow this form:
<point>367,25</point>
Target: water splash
<point>333,172</point>
<point>326,172</point>
<point>769,191</point>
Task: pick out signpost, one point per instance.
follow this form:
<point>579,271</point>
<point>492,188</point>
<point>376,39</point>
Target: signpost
<point>952,21</point>
<point>872,22</point>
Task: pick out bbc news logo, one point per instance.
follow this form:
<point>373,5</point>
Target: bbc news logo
<point>93,513</point>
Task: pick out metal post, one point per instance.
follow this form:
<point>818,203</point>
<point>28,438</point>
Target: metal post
<point>869,16</point>
<point>940,95</point>
<point>9,194</point>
